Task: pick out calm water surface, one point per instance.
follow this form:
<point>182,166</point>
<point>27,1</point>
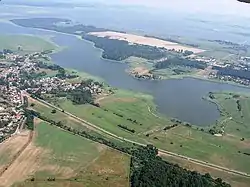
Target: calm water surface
<point>174,98</point>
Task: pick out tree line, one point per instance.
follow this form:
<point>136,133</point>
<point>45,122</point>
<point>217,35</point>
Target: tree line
<point>179,61</point>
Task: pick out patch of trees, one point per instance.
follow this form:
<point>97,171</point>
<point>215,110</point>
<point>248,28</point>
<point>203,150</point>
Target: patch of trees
<point>214,131</point>
<point>179,61</point>
<point>170,127</point>
<point>121,50</point>
<point>25,102</point>
<point>149,170</point>
<point>238,105</point>
<point>29,119</point>
<point>228,71</point>
<point>79,96</point>
<point>31,75</point>
<point>176,121</point>
<point>248,154</point>
<point>126,128</point>
<point>53,67</point>
<point>133,121</point>
<point>211,95</point>
<point>28,114</point>
<point>119,115</point>
<point>187,53</point>
<point>179,71</point>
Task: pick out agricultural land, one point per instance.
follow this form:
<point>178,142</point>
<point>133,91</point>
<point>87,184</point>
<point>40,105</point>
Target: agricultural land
<point>75,110</point>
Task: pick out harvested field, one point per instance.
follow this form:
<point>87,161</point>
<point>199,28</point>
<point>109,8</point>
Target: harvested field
<point>51,154</point>
<point>10,147</point>
<point>142,40</point>
<point>24,166</point>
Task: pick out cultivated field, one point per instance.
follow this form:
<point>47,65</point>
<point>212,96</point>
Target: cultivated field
<point>53,153</point>
<point>10,147</point>
<point>142,40</point>
<point>58,116</point>
<point>119,109</point>
<point>227,151</point>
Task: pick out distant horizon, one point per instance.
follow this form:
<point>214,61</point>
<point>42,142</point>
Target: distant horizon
<point>221,7</point>
<point>224,7</point>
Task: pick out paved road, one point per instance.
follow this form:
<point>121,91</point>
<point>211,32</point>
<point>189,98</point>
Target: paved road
<point>161,151</point>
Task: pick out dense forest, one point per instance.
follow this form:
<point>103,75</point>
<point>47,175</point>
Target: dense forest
<point>149,170</point>
<point>179,61</point>
<point>228,71</point>
<point>120,50</point>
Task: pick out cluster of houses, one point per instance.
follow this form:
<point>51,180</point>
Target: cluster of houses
<point>228,78</point>
<point>15,77</point>
<point>50,85</point>
<point>28,65</point>
<point>11,112</point>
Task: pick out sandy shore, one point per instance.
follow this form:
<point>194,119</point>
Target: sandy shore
<point>142,40</point>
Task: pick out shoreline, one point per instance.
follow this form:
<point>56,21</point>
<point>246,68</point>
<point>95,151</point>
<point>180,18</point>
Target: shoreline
<point>123,61</point>
<point>114,61</point>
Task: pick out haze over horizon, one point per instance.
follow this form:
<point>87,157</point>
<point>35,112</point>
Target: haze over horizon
<point>230,7</point>
<point>221,7</point>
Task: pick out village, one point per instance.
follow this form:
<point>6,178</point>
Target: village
<point>11,112</point>
<point>22,74</point>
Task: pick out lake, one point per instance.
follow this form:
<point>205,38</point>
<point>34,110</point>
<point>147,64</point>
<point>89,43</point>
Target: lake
<point>180,99</point>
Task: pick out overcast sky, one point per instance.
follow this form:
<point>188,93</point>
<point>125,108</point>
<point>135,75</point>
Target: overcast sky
<point>231,7</point>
